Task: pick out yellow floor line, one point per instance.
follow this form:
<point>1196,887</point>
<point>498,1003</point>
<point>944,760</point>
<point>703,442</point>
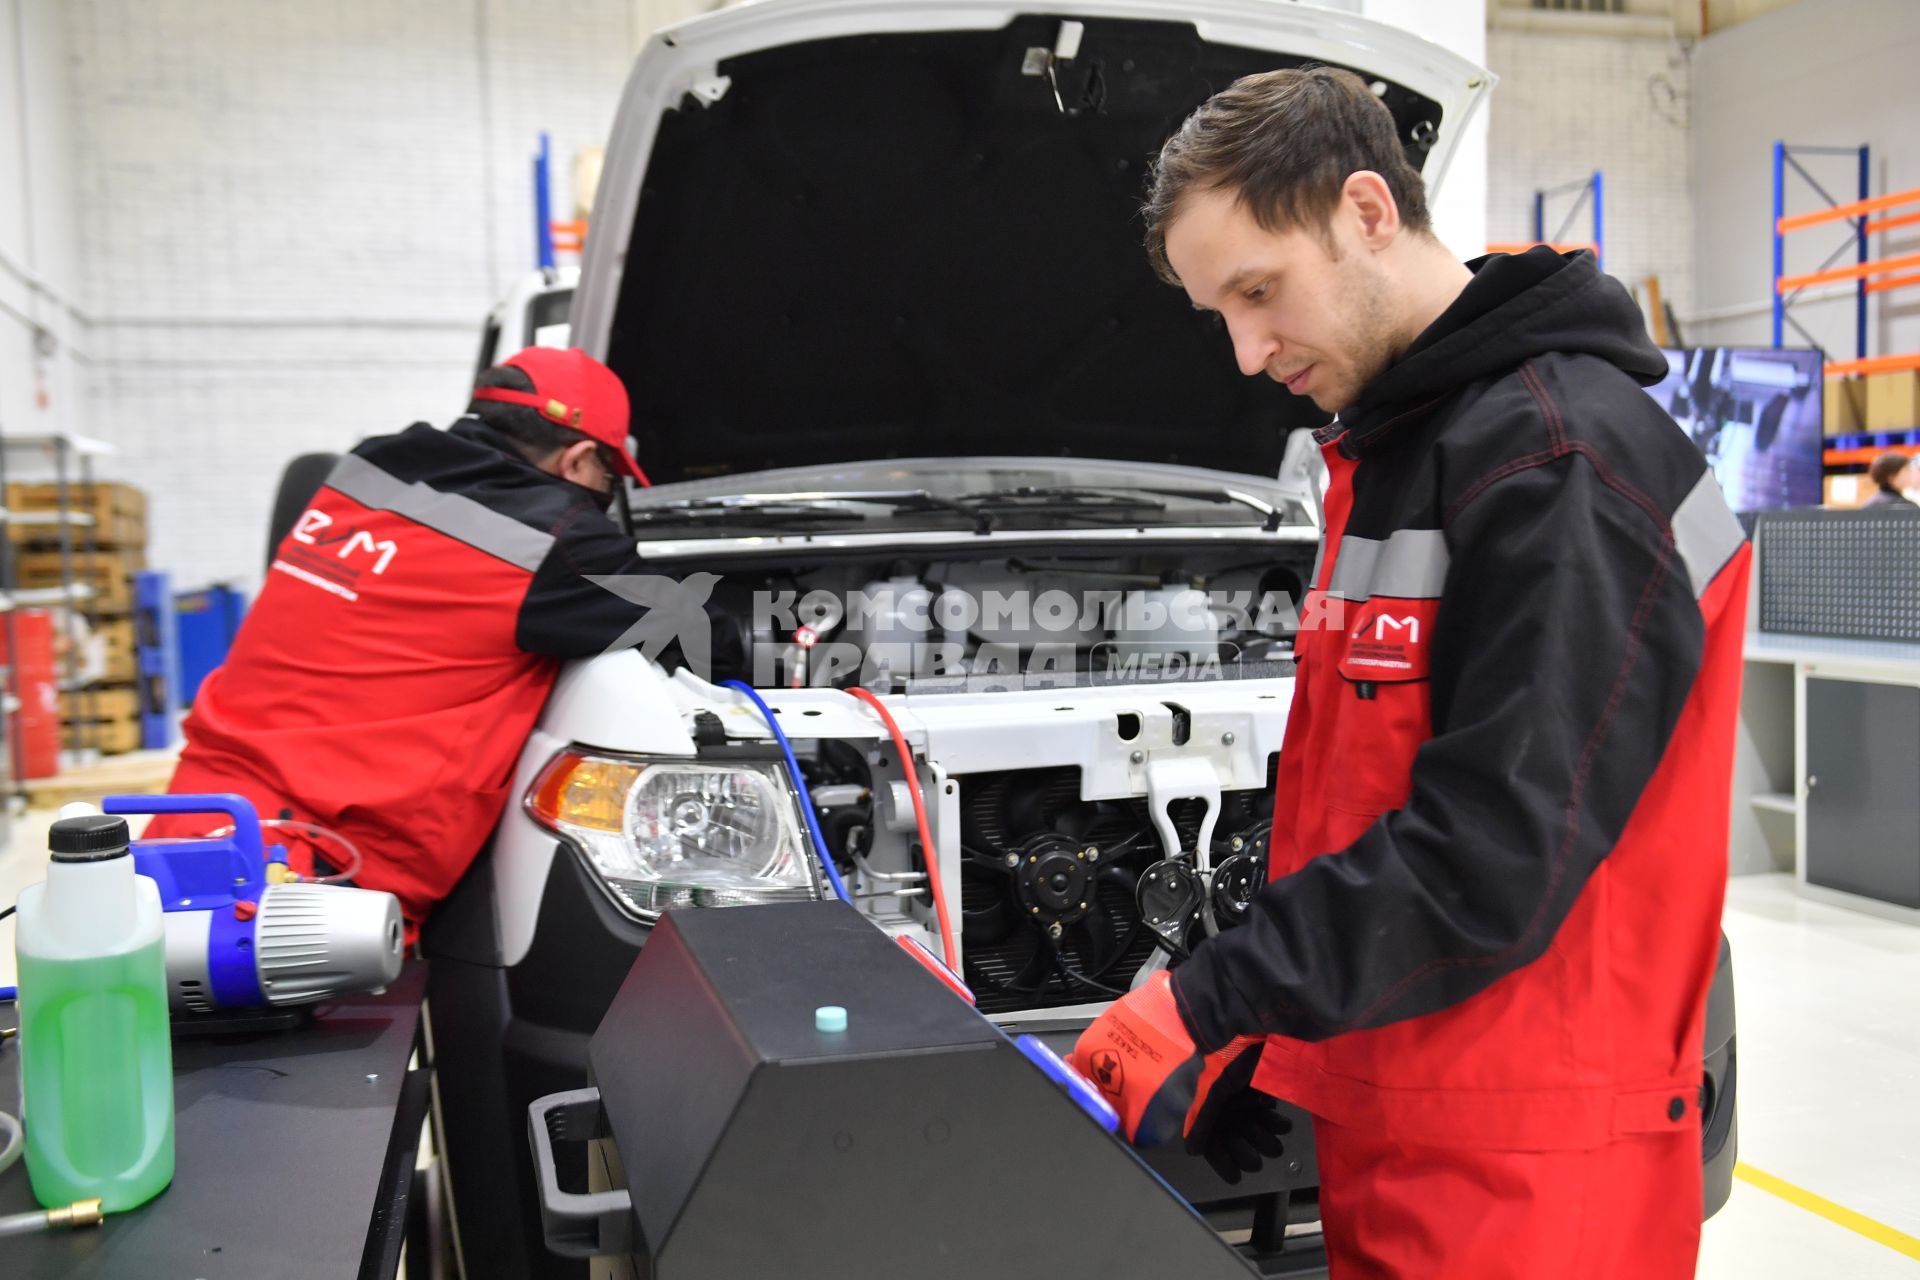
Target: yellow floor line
<point>1858,1223</point>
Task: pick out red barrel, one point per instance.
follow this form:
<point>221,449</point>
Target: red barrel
<point>37,726</point>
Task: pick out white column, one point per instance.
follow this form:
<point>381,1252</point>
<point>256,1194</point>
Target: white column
<point>1460,207</point>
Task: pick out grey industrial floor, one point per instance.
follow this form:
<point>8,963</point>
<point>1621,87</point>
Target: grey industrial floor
<point>1829,1186</point>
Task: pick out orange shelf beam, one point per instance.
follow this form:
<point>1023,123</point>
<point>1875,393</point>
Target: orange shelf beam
<point>1873,364</point>
<point>1888,224</point>
<point>1898,282</point>
<point>1521,246</point>
<point>1842,211</point>
<point>1844,457</point>
<point>1879,267</point>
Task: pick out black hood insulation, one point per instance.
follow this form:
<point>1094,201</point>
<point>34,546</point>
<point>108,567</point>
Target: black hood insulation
<point>900,245</point>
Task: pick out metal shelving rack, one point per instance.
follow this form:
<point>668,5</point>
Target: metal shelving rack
<point>1864,217</point>
<point>70,458</point>
<point>549,233</point>
<point>1869,275</point>
<point>1588,191</point>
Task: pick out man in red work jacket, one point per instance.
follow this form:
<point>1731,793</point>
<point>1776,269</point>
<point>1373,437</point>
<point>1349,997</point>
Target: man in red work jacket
<point>1499,842</point>
<point>414,620</point>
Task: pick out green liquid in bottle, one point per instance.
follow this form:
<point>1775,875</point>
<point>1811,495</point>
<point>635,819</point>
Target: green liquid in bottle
<point>96,1074</point>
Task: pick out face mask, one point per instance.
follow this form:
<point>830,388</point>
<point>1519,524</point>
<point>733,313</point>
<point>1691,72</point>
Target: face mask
<point>604,501</point>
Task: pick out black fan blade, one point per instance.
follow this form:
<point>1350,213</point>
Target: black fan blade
<point>1115,922</point>
<point>993,923</point>
<point>1039,966</point>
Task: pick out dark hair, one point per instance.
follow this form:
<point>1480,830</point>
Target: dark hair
<point>1886,467</point>
<point>1284,142</point>
<point>536,437</point>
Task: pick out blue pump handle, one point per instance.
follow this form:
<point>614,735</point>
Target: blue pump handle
<point>246,823</point>
<point>202,873</point>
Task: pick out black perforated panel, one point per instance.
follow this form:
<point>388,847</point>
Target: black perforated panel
<point>1849,574</point>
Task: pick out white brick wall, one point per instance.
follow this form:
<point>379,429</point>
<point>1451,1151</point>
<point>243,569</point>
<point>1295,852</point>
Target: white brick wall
<point>38,282</point>
<point>293,217</point>
<point>1569,104</point>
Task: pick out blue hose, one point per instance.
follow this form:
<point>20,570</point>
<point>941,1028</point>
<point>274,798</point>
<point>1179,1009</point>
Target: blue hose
<point>9,993</point>
<point>800,785</point>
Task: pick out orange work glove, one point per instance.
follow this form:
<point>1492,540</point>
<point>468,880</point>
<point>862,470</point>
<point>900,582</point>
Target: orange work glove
<point>1143,1060</point>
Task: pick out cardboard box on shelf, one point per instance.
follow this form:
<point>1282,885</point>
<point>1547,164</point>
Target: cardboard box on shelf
<point>109,574</point>
<point>104,716</point>
<point>101,703</point>
<point>118,659</point>
<point>109,513</point>
<point>1893,401</point>
<point>102,649</point>
<point>109,737</point>
<point>1846,409</point>
<point>1845,491</point>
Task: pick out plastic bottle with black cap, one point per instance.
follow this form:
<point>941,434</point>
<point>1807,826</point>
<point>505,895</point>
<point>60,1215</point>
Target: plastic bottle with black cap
<point>96,1057</point>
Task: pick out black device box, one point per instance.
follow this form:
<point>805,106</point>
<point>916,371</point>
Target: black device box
<point>738,1140</point>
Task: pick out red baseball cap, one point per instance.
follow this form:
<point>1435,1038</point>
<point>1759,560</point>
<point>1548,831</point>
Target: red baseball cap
<point>571,389</point>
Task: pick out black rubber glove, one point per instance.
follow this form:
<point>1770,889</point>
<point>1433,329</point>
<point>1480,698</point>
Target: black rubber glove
<point>1236,1127</point>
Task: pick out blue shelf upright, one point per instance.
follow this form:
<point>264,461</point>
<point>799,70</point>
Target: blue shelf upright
<point>156,656</point>
<point>1783,160</point>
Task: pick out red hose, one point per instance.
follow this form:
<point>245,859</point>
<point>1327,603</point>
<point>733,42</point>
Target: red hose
<point>920,818</point>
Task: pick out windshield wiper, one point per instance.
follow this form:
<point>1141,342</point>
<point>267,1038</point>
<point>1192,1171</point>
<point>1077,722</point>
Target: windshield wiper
<point>1064,500</point>
<point>1063,496</point>
<point>1273,516</point>
<point>1127,499</point>
<point>984,510</point>
<point>821,506</point>
<point>757,516</point>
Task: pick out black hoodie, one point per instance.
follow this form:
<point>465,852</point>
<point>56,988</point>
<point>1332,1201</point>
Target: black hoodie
<point>1520,563</point>
<point>1514,308</point>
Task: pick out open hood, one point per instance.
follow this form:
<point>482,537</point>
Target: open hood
<point>832,230</point>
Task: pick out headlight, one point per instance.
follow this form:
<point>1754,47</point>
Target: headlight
<point>675,833</point>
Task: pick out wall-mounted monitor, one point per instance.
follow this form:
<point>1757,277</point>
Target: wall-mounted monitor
<point>1755,412</point>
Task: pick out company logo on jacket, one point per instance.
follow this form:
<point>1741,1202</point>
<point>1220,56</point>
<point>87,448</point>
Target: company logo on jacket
<point>1390,639</point>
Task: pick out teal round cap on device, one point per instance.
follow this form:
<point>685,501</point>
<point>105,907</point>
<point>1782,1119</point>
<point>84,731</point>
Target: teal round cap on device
<point>830,1017</point>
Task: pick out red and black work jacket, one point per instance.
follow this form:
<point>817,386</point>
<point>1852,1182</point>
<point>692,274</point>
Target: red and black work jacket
<point>1499,846</point>
<point>407,634</point>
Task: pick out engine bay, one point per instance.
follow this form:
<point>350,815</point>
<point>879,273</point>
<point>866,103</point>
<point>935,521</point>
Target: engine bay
<point>1104,801</point>
<point>949,625</point>
<point>1061,901</point>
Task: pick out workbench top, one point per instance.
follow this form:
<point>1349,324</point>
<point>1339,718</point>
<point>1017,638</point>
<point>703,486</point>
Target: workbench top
<point>1765,646</point>
<point>285,1151</point>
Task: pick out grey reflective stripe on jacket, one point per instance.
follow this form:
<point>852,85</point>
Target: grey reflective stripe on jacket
<point>461,518</point>
<point>1411,564</point>
<point>1705,532</point>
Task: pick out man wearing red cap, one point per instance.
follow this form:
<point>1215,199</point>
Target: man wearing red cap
<point>413,621</point>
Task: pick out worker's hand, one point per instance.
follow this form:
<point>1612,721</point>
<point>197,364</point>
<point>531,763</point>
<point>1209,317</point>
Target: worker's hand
<point>1234,1126</point>
<point>1139,1054</point>
<point>1143,1059</point>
